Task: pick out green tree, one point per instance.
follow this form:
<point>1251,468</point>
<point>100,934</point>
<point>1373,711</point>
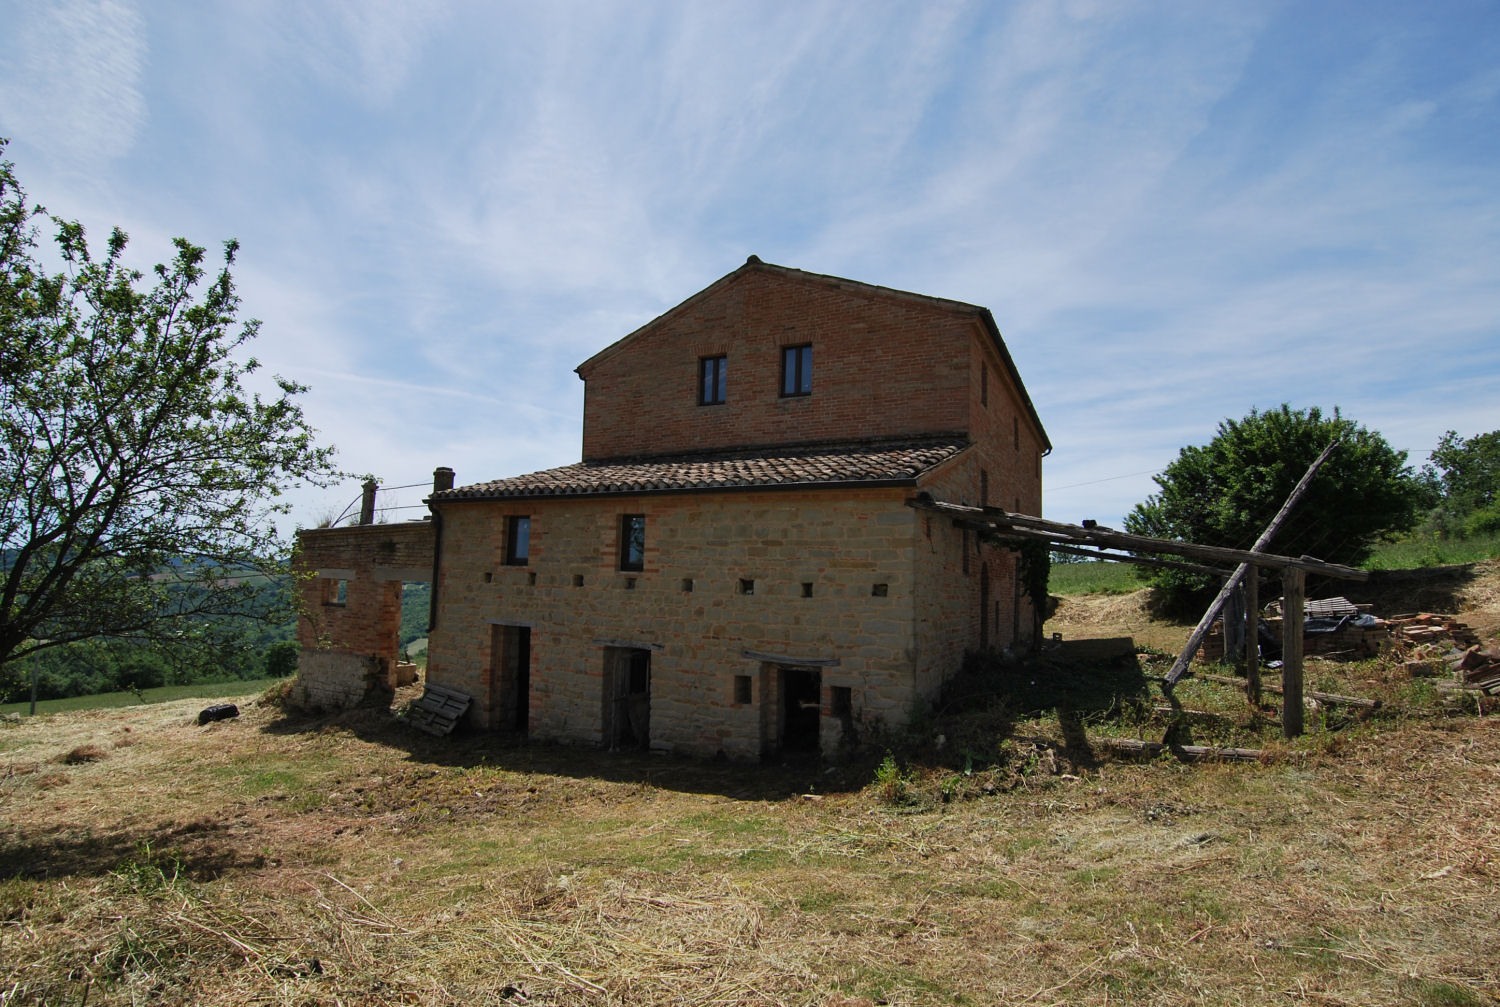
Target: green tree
<point>1467,471</point>
<point>139,478</point>
<point>1225,493</point>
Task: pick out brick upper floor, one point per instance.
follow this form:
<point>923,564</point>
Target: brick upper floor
<point>773,356</point>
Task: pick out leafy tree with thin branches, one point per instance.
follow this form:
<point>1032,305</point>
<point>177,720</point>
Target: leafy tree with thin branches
<point>139,477</point>
<point>1225,492</point>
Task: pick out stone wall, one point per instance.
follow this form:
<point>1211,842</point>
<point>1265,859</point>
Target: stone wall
<point>349,591</point>
<point>734,586</point>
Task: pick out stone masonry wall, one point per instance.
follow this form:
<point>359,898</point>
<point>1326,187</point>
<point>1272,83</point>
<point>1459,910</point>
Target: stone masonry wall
<point>690,608</point>
<point>883,365</point>
<point>350,600</point>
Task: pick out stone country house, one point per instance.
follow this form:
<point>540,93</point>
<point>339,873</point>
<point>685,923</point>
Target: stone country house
<point>732,568</point>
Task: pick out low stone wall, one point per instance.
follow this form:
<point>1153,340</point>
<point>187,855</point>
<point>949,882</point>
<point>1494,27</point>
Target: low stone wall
<point>332,680</point>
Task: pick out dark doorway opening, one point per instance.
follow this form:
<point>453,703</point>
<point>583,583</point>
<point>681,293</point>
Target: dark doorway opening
<point>510,678</point>
<point>801,708</point>
<point>627,697</point>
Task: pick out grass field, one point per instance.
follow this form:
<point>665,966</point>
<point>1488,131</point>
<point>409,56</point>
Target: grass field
<point>1092,578</point>
<point>1425,552</point>
<point>989,860</point>
<point>164,694</point>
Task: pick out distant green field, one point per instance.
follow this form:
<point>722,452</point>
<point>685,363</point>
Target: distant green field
<point>167,693</point>
<point>1092,578</point>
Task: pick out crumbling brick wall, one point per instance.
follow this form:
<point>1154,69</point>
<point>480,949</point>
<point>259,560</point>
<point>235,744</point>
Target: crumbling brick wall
<point>349,591</point>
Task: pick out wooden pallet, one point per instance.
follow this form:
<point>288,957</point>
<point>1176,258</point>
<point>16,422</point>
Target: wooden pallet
<point>439,710</point>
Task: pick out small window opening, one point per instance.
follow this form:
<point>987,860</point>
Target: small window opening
<point>807,589</point>
<point>488,577</point>
<point>747,586</point>
<point>984,383</point>
<point>517,540</point>
<point>1015,431</point>
<point>531,579</point>
<point>840,702</point>
<point>741,690</point>
<point>712,380</point>
<point>578,580</point>
<point>879,590</point>
<point>336,592</point>
<point>984,488</point>
<point>965,550</point>
<point>633,542</point>
<point>687,583</point>
<point>630,583</point>
<point>796,370</point>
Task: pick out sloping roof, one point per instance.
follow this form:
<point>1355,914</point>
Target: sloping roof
<point>868,463</point>
<point>755,264</point>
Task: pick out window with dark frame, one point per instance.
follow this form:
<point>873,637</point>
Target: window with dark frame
<point>796,370</point>
<point>517,540</point>
<point>712,380</point>
<point>632,542</point>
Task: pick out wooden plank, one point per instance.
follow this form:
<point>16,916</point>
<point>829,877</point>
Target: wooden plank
<point>1154,748</point>
<point>1293,582</point>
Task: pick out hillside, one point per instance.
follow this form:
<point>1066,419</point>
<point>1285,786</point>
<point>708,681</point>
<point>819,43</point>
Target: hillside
<point>271,859</point>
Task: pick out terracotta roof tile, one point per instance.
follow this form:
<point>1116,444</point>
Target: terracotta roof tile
<point>884,462</point>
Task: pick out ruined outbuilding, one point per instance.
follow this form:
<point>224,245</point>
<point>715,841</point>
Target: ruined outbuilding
<point>732,567</point>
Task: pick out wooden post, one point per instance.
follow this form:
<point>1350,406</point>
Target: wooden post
<point>1291,651</point>
<point>1252,636</point>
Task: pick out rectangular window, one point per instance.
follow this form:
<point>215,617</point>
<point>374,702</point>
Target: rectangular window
<point>741,690</point>
<point>984,488</point>
<point>712,382</point>
<point>1015,431</point>
<point>796,370</point>
<point>632,542</point>
<point>517,540</point>
<point>984,383</point>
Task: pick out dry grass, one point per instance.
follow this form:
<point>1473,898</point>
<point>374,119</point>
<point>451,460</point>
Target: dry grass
<point>346,861</point>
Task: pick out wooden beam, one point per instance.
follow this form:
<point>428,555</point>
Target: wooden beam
<point>1292,584</point>
<point>1195,638</point>
<point>1185,751</point>
<point>1002,521</point>
<point>1072,550</point>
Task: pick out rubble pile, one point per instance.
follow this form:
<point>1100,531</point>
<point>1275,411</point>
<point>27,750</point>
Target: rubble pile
<point>1432,641</point>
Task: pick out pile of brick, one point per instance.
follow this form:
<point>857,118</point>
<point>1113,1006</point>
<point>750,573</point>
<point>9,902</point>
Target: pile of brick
<point>1431,640</point>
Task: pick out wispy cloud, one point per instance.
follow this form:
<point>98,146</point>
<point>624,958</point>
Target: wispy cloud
<point>70,80</point>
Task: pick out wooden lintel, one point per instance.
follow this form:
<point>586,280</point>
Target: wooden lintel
<point>800,662</point>
<point>629,644</point>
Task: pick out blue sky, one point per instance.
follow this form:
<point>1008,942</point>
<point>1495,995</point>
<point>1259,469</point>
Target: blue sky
<point>1176,212</point>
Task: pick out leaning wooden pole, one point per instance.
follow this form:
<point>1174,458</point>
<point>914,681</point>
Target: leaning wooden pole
<point>1195,639</point>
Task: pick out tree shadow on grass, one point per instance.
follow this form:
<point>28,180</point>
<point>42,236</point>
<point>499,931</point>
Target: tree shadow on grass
<point>198,850</point>
<point>1076,681</point>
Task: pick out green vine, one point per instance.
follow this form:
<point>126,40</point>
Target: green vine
<point>1036,570</point>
